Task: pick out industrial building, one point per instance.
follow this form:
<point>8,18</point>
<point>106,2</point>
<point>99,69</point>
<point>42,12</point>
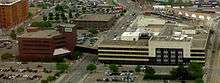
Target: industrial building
<point>99,21</point>
<point>156,44</point>
<point>47,44</point>
<point>12,13</point>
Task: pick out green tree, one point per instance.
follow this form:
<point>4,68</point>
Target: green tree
<point>59,59</point>
<point>77,15</point>
<point>91,67</point>
<point>6,56</point>
<point>41,24</point>
<point>44,81</point>
<point>32,5</point>
<point>59,8</point>
<point>62,66</point>
<point>188,3</point>
<point>77,54</point>
<point>44,18</point>
<point>138,68</point>
<point>180,3</point>
<point>180,73</point>
<point>113,67</point>
<point>20,30</point>
<point>84,9</point>
<point>51,78</point>
<point>30,14</point>
<point>195,69</point>
<point>57,17</point>
<point>13,35</point>
<point>199,80</point>
<point>42,5</point>
<point>63,17</point>
<point>93,30</point>
<point>171,2</point>
<point>50,16</point>
<point>149,70</point>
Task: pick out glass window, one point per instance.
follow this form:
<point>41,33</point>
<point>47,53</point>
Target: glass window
<point>158,60</point>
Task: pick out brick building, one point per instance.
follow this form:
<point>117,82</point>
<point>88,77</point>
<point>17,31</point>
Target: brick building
<point>47,44</point>
<point>12,13</point>
<point>98,21</point>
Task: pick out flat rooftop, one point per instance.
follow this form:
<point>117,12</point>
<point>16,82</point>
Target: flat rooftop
<point>140,42</point>
<point>8,2</point>
<point>199,44</point>
<point>142,20</point>
<point>94,17</point>
<point>41,34</point>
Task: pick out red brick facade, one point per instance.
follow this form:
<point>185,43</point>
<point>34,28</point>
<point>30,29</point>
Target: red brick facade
<point>14,14</point>
<point>41,49</point>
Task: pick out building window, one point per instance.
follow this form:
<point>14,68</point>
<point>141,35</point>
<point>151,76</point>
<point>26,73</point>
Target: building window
<point>180,60</point>
<point>158,56</point>
<point>180,52</point>
<point>165,60</point>
<point>158,60</point>
<point>173,61</point>
<point>165,52</point>
<point>158,51</point>
<point>172,52</point>
<point>165,56</point>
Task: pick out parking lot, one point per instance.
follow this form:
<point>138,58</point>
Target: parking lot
<point>8,46</point>
<point>101,76</point>
<point>18,72</point>
<point>85,38</point>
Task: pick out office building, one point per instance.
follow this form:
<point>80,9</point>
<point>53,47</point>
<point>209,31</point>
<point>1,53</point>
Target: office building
<point>13,13</point>
<point>170,44</point>
<point>47,44</point>
<point>99,21</point>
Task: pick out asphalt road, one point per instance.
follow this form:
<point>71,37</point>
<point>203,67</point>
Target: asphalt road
<point>124,21</point>
<point>78,70</point>
<point>212,74</point>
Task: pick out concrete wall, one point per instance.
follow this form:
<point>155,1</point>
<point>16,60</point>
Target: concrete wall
<point>169,44</point>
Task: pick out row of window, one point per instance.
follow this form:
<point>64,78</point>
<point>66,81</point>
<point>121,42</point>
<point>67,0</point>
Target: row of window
<point>197,54</point>
<point>139,53</point>
<point>197,50</point>
<point>172,61</point>
<point>137,57</point>
<point>138,49</point>
<point>36,45</point>
<point>171,52</point>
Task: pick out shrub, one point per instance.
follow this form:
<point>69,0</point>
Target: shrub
<point>44,81</point>
<point>6,56</point>
<point>41,24</point>
<point>51,78</point>
<point>91,67</point>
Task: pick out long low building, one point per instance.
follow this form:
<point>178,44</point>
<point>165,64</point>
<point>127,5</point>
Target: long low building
<point>99,21</point>
<point>169,47</point>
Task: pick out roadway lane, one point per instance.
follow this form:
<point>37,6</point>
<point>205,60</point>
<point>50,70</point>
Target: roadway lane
<point>78,70</point>
<point>213,69</point>
<point>124,21</point>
